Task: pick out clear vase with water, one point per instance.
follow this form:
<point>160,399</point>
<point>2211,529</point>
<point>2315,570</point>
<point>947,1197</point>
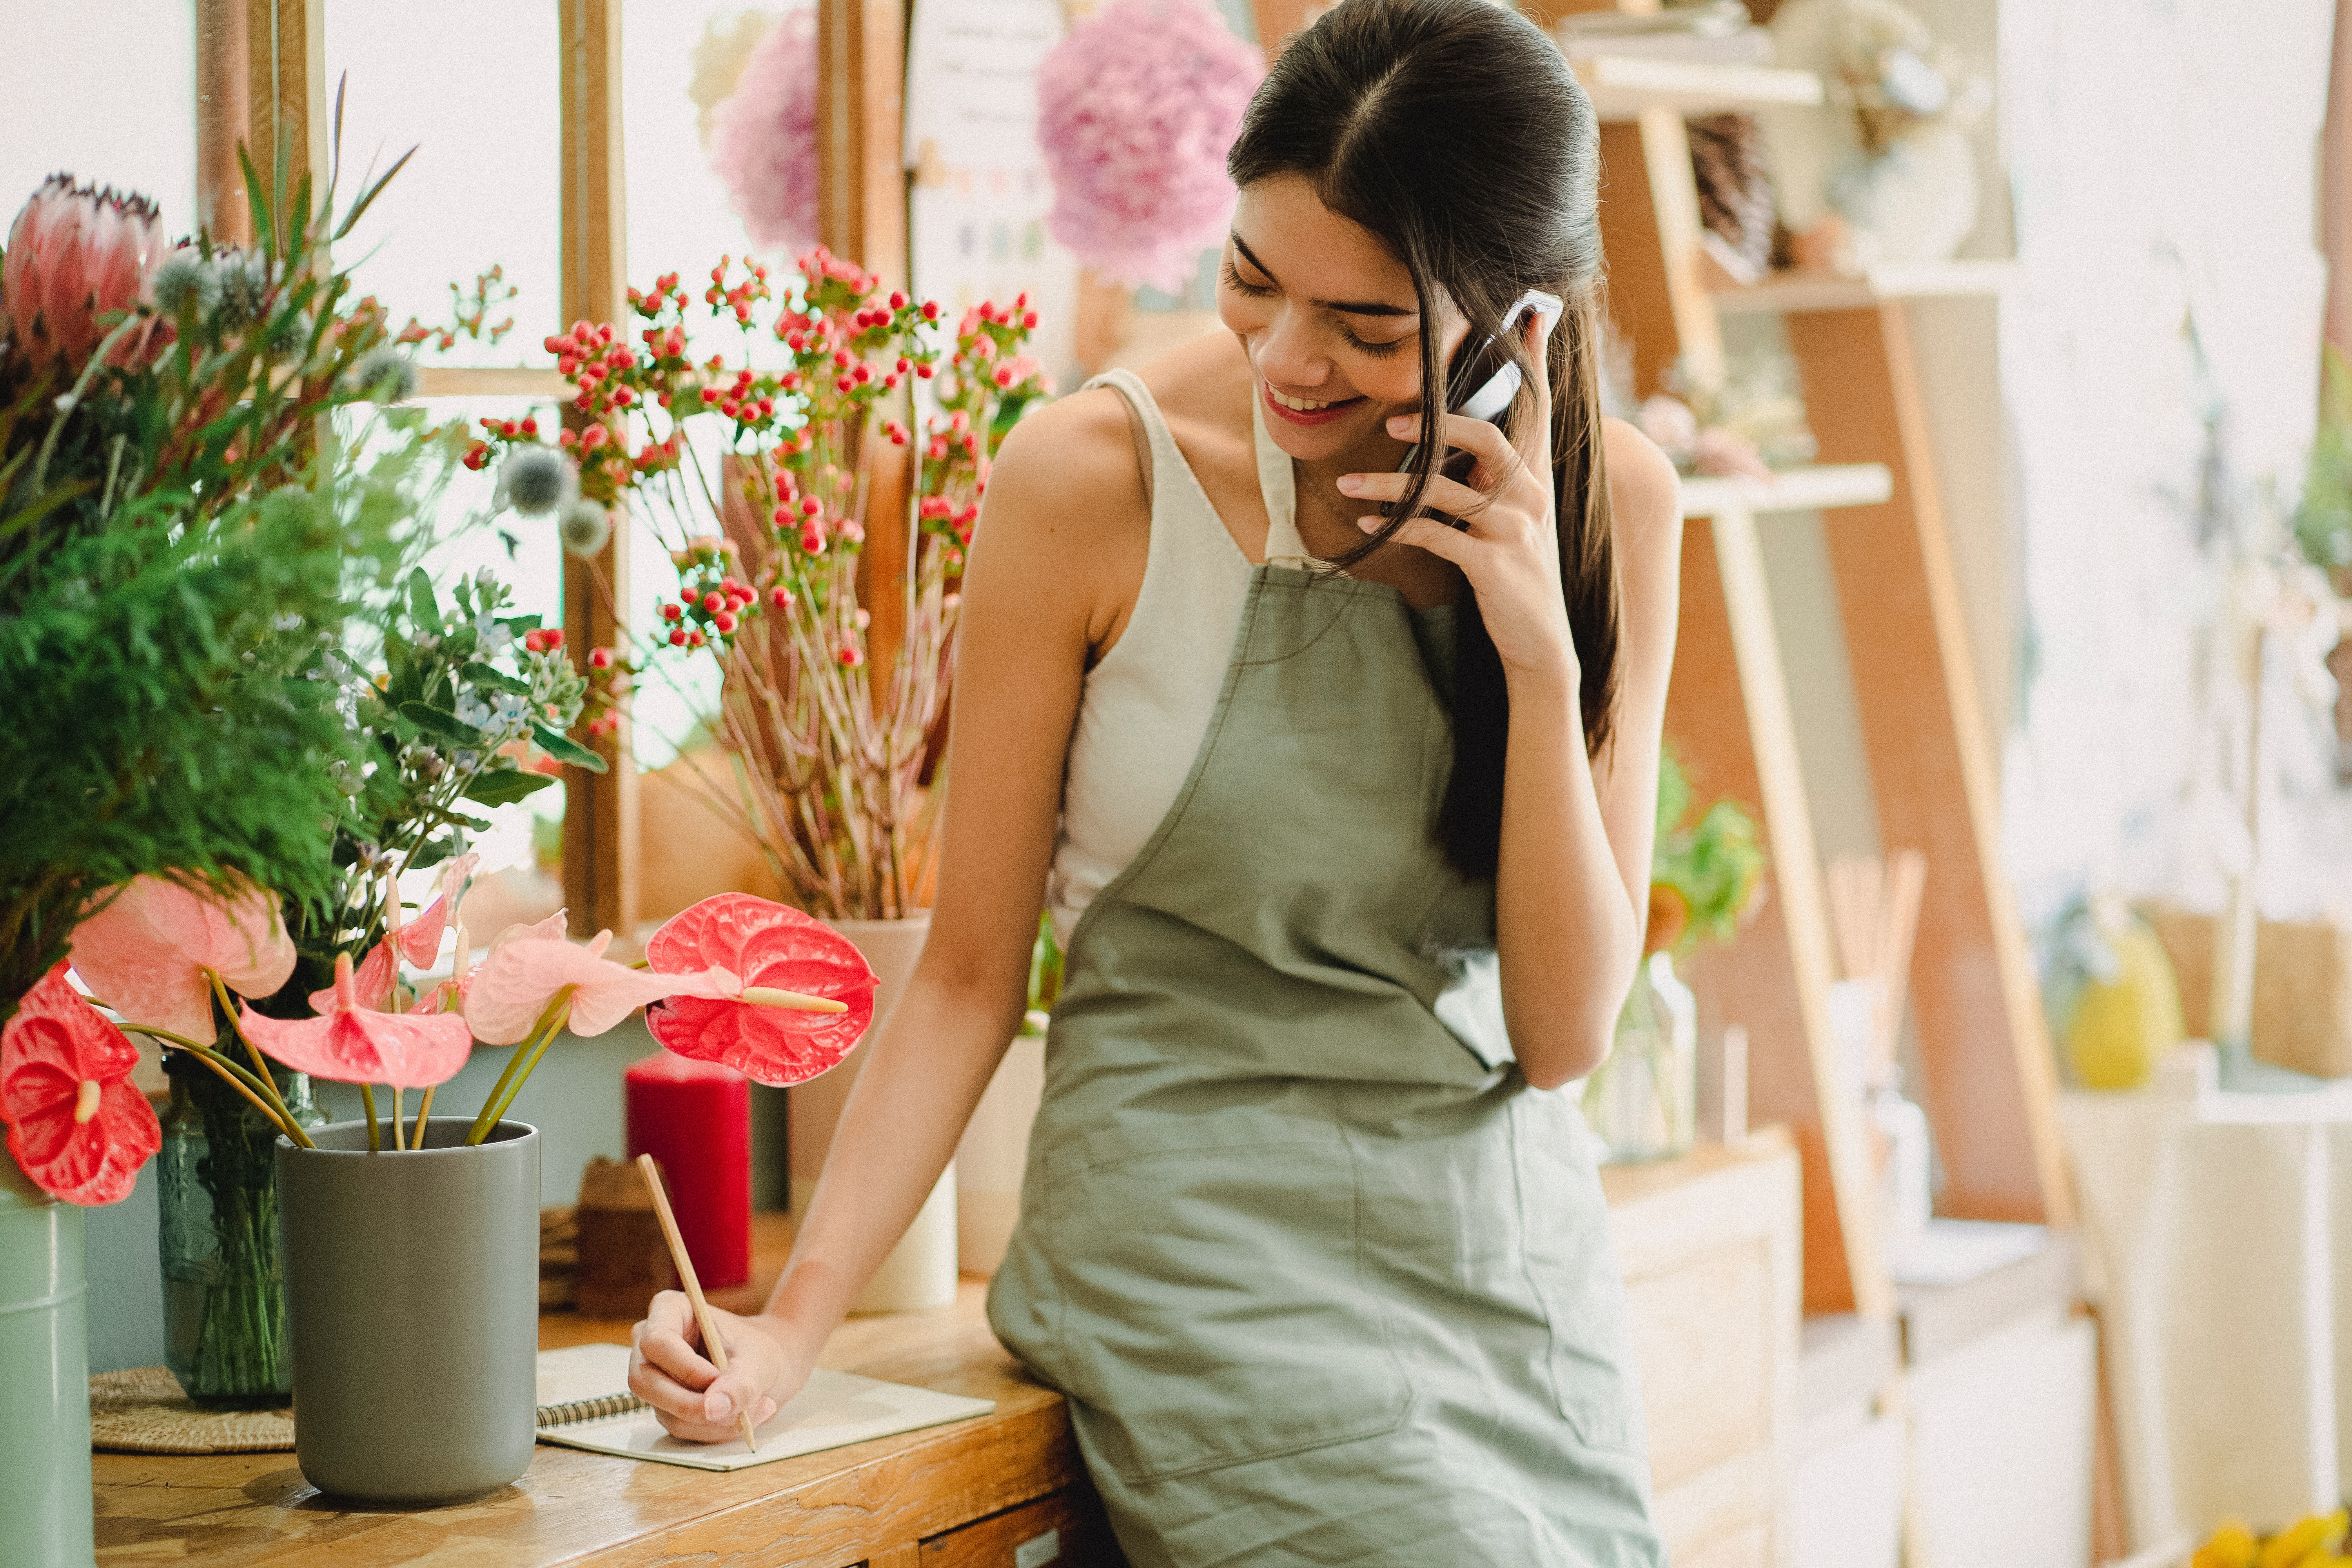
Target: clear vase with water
<point>223,1281</point>
<point>1642,1101</point>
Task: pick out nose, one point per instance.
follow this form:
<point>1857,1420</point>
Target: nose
<point>1287,353</point>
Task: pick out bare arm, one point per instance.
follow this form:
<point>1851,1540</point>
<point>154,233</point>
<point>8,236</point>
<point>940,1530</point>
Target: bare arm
<point>1572,884</point>
<point>1048,584</point>
<point>1571,892</point>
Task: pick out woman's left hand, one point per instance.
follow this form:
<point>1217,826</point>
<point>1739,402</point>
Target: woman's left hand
<point>1509,548</point>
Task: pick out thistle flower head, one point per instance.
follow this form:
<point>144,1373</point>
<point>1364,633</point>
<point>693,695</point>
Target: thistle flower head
<point>244,285</point>
<point>387,375</point>
<point>184,283</point>
<point>584,527</point>
<point>536,480</point>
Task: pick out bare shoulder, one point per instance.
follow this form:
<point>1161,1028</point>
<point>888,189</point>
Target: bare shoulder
<point>1072,460</point>
<point>1644,493</point>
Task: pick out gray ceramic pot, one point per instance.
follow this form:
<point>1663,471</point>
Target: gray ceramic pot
<point>411,1301</point>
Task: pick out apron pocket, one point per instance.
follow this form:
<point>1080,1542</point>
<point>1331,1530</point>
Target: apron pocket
<point>1572,1264</point>
<point>1210,1308</point>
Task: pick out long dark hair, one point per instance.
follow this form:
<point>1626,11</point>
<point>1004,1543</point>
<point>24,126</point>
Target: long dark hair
<point>1454,134</point>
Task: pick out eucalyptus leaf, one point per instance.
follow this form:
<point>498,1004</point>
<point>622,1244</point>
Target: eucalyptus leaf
<point>506,786</point>
<point>441,724</point>
<point>564,749</point>
<point>481,674</point>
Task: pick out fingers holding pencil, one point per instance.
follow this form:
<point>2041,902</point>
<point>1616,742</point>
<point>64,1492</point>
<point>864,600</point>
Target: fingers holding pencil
<point>694,1400</point>
<point>717,1401</point>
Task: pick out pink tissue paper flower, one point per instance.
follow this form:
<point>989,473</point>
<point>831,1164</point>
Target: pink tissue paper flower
<point>145,953</point>
<point>1136,111</point>
<point>763,137</point>
<point>352,1043</point>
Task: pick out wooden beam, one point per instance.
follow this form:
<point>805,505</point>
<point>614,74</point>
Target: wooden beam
<point>862,217</point>
<point>1992,1088</point>
<point>287,96</point>
<point>223,118</point>
<point>600,815</point>
<point>1754,980</point>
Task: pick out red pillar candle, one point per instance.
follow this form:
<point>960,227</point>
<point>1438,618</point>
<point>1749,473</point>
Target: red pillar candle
<point>695,1119</point>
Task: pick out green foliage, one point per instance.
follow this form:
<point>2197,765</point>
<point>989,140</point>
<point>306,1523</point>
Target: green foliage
<point>182,545</point>
<point>462,689</point>
<point>1715,864</point>
<point>2323,522</point>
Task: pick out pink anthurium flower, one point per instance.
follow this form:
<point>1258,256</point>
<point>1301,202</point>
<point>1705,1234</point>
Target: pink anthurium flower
<point>76,1125</point>
<point>515,985</point>
<point>767,1029</point>
<point>420,939</point>
<point>354,1043</point>
<point>145,953</point>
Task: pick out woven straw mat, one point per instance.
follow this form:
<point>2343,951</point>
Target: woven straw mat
<point>142,1411</point>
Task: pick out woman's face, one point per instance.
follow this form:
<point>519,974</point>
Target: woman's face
<point>1327,319</point>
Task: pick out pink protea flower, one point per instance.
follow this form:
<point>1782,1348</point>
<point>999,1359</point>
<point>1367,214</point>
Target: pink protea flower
<point>354,1043</point>
<point>1136,111</point>
<point>766,1027</point>
<point>75,255</point>
<point>76,1125</point>
<point>763,137</point>
<point>146,952</point>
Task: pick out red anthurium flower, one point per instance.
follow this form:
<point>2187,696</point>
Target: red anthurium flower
<point>515,985</point>
<point>76,1125</point>
<point>144,954</point>
<point>352,1043</point>
<point>765,1028</point>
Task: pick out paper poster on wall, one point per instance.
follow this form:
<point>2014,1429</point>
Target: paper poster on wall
<point>977,207</point>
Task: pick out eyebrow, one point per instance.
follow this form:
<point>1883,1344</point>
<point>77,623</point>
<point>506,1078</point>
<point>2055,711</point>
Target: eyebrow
<point>1345,307</point>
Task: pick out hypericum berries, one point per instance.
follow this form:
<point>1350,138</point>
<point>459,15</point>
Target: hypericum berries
<point>600,658</point>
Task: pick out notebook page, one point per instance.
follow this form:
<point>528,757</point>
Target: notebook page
<point>836,1409</point>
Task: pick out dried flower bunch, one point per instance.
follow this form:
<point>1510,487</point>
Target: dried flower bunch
<point>829,752</point>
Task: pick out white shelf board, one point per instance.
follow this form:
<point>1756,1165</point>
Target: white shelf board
<point>1623,85</point>
<point>1791,489</point>
<point>1789,291</point>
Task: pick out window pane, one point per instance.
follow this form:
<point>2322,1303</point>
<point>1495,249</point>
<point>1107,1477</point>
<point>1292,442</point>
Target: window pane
<point>475,92</point>
<point>123,114</point>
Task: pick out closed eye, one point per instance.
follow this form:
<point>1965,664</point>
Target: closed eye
<point>1234,280</point>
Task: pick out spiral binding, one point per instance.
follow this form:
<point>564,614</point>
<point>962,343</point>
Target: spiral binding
<point>590,1409</point>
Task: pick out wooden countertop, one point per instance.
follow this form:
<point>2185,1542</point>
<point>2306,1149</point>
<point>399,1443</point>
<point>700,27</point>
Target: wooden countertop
<point>870,1503</point>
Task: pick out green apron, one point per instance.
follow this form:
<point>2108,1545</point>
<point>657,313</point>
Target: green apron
<point>1324,1280</point>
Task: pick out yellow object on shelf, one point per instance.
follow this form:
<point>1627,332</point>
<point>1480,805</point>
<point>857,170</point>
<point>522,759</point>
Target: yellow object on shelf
<point>2309,1544</point>
<point>2123,1026</point>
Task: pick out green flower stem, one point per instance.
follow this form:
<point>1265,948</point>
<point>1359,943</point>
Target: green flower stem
<point>237,1078</point>
<point>399,1120</point>
<point>519,1070</point>
<point>424,1115</point>
<point>260,1065</point>
<point>367,1103</point>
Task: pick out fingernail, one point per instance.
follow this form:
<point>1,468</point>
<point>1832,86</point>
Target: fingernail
<point>1352,483</point>
<point>1400,424</point>
<point>1369,524</point>
<point>719,1407</point>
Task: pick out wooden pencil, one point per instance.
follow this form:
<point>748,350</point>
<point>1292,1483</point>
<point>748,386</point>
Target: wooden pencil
<point>711,1346</point>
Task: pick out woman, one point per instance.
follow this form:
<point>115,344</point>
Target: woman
<point>1351,864</point>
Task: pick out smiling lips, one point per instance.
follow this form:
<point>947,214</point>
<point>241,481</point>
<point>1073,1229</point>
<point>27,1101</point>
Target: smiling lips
<point>1307,410</point>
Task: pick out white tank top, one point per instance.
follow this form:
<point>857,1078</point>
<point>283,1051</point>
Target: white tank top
<point>1144,709</point>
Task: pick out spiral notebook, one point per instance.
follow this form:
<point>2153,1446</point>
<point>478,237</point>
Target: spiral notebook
<point>584,1402</point>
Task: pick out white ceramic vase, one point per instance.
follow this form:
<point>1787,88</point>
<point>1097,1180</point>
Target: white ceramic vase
<point>995,1150</point>
<point>920,1271</point>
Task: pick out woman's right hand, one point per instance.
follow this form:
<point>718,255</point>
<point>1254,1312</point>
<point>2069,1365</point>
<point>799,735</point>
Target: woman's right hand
<point>766,1365</point>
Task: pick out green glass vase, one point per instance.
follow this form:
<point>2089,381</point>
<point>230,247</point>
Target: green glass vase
<point>224,1280</point>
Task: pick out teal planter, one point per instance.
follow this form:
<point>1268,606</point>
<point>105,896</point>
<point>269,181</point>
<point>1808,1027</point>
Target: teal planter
<point>44,1496</point>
